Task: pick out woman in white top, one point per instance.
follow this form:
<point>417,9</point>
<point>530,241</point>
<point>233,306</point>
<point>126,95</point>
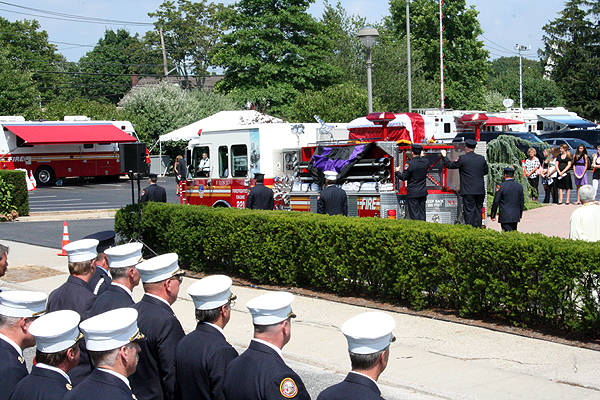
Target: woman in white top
<point>596,167</point>
<point>552,174</point>
<point>532,165</point>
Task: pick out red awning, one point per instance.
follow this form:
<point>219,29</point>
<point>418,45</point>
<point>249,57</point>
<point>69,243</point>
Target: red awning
<point>70,134</point>
<point>502,121</point>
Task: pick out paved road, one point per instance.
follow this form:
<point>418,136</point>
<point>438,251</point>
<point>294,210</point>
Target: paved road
<point>80,194</point>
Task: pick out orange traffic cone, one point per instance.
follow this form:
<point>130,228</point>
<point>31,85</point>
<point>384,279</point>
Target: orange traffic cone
<point>65,240</point>
<point>32,179</point>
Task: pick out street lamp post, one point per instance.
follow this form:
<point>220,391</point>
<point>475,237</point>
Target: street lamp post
<point>521,48</point>
<point>368,36</point>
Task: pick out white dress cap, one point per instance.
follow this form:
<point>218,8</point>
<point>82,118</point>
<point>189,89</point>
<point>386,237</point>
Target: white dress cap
<point>211,292</point>
<point>369,332</point>
<point>271,308</point>
<point>22,304</point>
<point>56,331</point>
<point>159,268</point>
<point>81,250</point>
<point>111,330</point>
<point>125,255</point>
<point>330,175</point>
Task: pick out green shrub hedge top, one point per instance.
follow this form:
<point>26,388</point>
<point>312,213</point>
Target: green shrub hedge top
<point>524,277</point>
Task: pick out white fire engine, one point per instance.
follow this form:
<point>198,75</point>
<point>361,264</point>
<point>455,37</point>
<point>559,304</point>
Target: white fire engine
<point>60,149</point>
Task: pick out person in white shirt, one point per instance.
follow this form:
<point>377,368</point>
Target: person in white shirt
<point>585,221</point>
<point>204,166</point>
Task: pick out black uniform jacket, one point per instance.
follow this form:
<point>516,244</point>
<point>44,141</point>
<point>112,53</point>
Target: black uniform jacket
<point>260,374</point>
<point>75,294</point>
<point>509,198</point>
<point>115,297</point>
<point>416,174</point>
<point>201,359</point>
<point>154,193</point>
<point>100,281</point>
<point>12,369</point>
<point>100,385</point>
<point>355,386</point>
<point>472,168</point>
<point>155,374</point>
<point>260,198</point>
<point>333,201</point>
<point>41,384</point>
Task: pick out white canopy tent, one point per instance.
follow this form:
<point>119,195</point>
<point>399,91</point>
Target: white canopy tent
<point>220,121</point>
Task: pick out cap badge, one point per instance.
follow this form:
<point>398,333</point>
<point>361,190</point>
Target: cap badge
<point>288,388</point>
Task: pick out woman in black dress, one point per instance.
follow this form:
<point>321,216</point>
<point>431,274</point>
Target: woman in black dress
<point>563,165</point>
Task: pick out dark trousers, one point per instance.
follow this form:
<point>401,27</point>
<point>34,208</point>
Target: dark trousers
<point>416,208</point>
<point>509,226</point>
<point>472,209</point>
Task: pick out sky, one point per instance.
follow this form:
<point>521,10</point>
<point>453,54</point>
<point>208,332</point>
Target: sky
<point>505,22</point>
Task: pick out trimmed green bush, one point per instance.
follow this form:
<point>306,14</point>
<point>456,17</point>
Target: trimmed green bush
<point>526,278</point>
<point>19,196</point>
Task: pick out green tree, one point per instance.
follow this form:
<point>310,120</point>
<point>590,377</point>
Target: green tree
<point>538,91</point>
<point>572,56</point>
<point>57,110</point>
<point>105,68</point>
<point>190,30</point>
<point>18,90</point>
<point>273,51</point>
<point>29,48</point>
<point>159,109</point>
<point>465,68</point>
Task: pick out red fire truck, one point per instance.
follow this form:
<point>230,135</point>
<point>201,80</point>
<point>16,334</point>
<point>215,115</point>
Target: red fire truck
<point>60,149</point>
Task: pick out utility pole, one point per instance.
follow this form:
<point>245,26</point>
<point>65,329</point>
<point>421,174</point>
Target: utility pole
<point>164,53</point>
<point>521,48</point>
<point>408,56</point>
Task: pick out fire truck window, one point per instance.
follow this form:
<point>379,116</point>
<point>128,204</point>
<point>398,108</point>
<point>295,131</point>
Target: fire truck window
<point>447,127</point>
<point>223,162</point>
<point>540,125</point>
<point>202,168</point>
<point>239,161</point>
<point>88,145</point>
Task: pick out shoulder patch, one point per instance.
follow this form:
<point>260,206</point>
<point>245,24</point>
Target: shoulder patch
<point>288,388</point>
<point>497,187</point>
<point>143,192</point>
<point>406,166</point>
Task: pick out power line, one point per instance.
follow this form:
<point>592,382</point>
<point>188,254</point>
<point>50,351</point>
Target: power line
<point>73,17</point>
<point>91,63</point>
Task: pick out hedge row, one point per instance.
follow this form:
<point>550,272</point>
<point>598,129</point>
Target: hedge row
<point>19,197</point>
<point>527,278</point>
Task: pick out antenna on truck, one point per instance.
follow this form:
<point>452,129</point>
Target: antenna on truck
<point>325,129</point>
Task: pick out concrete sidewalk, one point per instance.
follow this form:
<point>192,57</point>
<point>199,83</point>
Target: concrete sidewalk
<point>430,359</point>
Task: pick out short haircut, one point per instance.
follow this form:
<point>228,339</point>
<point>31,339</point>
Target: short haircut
<point>266,328</point>
<point>260,178</point>
<point>118,273</point>
<point>587,193</point>
<point>153,178</point>
<point>416,152</point>
<point>104,358</point>
<point>7,322</point>
<point>509,173</point>
<point>365,361</point>
<point>3,249</point>
<point>53,359</point>
<point>81,267</point>
<point>208,315</point>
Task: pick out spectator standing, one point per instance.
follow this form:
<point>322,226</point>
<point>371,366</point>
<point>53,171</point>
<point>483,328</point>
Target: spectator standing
<point>532,166</point>
<point>581,163</point>
<point>18,309</point>
<point>563,164</point>
<point>553,174</point>
<point>369,336</point>
<point>177,174</point>
<point>585,221</point>
<point>510,201</point>
<point>332,200</point>
<point>596,168</point>
<point>546,180</point>
<point>472,168</point>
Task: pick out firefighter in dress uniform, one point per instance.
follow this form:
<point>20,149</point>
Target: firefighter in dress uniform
<point>18,309</point>
<point>57,352</point>
<point>332,200</point>
<point>472,168</point>
<point>415,172</point>
<point>153,192</point>
<point>101,279</point>
<point>112,339</point>
<point>260,196</point>
<point>260,372</point>
<point>510,201</point>
<point>369,336</point>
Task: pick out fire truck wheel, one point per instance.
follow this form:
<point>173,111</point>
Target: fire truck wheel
<point>44,175</point>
